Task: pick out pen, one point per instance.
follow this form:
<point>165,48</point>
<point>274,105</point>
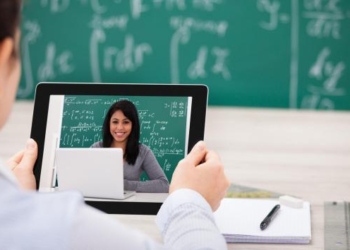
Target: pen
<point>264,224</point>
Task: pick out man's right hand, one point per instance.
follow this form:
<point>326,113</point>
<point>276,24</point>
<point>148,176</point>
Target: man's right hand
<point>202,171</point>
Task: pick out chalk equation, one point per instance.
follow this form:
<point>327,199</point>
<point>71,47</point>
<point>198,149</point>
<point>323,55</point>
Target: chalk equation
<point>31,32</point>
<point>324,20</point>
<point>240,49</point>
<point>327,74</point>
<point>273,13</point>
<point>137,7</point>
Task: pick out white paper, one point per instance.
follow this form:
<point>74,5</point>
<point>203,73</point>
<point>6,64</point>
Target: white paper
<point>239,221</point>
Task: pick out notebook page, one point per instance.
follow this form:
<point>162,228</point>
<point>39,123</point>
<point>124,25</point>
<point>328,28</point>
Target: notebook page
<point>243,217</point>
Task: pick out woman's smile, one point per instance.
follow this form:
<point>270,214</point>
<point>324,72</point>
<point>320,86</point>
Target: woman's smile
<point>119,134</point>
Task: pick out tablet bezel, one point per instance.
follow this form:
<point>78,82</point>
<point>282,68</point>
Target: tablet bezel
<point>44,90</point>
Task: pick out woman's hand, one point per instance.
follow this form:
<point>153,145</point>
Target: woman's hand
<point>22,164</point>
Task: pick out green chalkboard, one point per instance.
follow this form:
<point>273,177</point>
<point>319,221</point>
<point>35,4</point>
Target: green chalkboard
<point>256,53</point>
<point>163,124</point>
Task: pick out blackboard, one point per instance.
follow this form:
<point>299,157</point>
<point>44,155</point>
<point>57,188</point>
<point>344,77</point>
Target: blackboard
<point>255,53</point>
<point>163,122</point>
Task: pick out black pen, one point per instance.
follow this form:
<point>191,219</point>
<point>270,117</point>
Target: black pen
<point>264,224</point>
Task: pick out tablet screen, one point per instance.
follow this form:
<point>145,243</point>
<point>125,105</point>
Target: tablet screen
<point>171,119</point>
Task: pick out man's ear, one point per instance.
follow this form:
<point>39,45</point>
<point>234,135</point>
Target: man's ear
<point>6,49</point>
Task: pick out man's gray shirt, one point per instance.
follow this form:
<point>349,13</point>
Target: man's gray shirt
<point>38,221</point>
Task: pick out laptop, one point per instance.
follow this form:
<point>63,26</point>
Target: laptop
<point>95,172</point>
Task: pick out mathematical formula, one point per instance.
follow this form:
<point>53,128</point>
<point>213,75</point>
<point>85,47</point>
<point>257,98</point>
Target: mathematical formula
<point>114,46</point>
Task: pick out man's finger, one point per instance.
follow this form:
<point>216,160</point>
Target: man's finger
<point>15,159</point>
<point>30,155</point>
<point>197,153</point>
<point>211,155</point>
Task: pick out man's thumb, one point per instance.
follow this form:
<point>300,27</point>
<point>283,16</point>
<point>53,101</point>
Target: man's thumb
<point>30,154</point>
<point>197,153</point>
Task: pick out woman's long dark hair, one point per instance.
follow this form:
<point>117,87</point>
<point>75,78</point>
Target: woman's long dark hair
<point>132,145</point>
<point>10,12</point>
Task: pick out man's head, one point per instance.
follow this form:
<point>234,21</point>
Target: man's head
<point>9,55</point>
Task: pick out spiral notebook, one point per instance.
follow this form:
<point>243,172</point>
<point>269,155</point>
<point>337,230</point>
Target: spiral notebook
<point>239,221</point>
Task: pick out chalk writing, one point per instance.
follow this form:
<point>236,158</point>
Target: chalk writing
<point>137,8</point>
<point>181,36</point>
<point>60,6</point>
<point>32,31</point>
<point>324,18</point>
<point>197,68</point>
<point>208,5</point>
<point>328,74</point>
<point>98,36</point>
<point>55,6</point>
<point>55,65</point>
<point>123,60</point>
<point>272,9</point>
<point>324,69</point>
<point>166,166</point>
<point>212,27</point>
<point>220,66</point>
<point>128,58</point>
<point>119,22</point>
<point>264,53</point>
<point>324,21</point>
<point>97,7</point>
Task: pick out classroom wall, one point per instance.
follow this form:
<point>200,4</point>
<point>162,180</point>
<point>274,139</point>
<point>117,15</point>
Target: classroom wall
<point>250,53</point>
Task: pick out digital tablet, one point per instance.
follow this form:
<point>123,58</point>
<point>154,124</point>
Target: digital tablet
<point>71,115</point>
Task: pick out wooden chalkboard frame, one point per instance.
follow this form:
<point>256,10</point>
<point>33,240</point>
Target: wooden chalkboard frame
<point>44,90</point>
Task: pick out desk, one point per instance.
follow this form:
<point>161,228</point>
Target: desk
<point>300,153</point>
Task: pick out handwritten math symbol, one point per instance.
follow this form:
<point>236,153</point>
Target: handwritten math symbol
<point>53,65</point>
<point>325,18</point>
<point>272,8</point>
<point>329,74</point>
<point>324,70</point>
<point>55,6</point>
<point>197,68</point>
<point>32,33</point>
<point>208,5</point>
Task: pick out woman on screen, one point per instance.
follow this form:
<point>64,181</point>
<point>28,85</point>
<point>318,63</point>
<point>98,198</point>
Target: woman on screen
<point>121,129</point>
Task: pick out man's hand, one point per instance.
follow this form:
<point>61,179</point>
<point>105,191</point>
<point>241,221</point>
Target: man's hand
<point>203,172</point>
<point>22,164</point>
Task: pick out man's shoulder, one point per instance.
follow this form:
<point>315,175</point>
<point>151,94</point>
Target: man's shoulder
<point>44,210</point>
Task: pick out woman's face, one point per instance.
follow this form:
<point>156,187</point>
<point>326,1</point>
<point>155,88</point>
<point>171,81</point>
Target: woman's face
<point>10,70</point>
<point>120,127</point>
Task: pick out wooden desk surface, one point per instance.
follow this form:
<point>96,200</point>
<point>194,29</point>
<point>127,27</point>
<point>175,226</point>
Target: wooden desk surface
<point>300,153</point>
